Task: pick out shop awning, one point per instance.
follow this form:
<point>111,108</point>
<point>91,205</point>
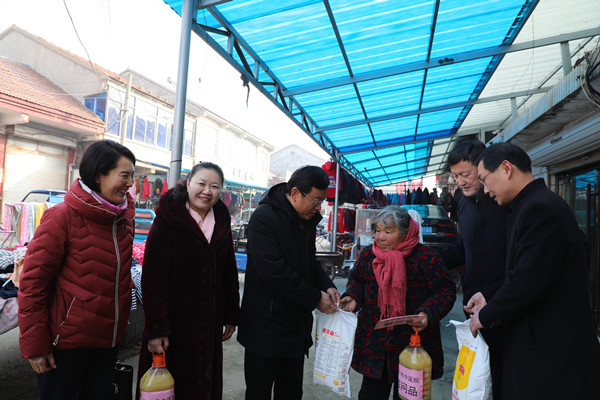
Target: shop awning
<point>385,87</point>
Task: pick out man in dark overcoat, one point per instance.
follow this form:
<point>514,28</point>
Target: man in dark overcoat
<point>481,247</point>
<point>284,284</point>
<point>550,346</point>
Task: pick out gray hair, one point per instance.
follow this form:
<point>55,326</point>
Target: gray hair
<point>393,216</point>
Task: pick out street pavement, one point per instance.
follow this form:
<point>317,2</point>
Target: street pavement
<point>18,381</point>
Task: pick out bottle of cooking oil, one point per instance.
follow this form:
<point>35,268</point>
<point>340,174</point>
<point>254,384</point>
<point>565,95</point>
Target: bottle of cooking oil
<point>414,371</point>
<point>157,382</point>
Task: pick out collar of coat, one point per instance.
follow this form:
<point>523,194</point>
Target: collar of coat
<point>175,212</point>
<point>276,198</point>
<point>531,187</point>
<point>89,207</point>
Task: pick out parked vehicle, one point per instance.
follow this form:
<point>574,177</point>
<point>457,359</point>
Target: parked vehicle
<point>240,237</point>
<point>44,196</point>
<point>439,230</point>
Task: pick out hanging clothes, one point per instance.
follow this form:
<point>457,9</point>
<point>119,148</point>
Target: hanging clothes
<point>145,189</point>
<point>330,168</point>
<point>165,186</point>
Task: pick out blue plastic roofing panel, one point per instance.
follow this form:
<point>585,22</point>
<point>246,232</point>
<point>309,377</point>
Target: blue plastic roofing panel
<point>374,83</point>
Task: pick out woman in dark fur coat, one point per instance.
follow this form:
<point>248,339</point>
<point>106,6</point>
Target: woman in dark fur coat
<point>190,286</point>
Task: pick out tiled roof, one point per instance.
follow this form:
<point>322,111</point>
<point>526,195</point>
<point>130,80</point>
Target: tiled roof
<point>110,74</point>
<point>23,83</point>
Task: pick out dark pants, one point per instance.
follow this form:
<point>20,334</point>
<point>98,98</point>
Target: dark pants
<point>84,374</point>
<point>496,371</point>
<point>377,389</point>
<point>495,341</point>
<point>280,376</point>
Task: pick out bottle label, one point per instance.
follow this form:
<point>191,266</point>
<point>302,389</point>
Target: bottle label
<point>410,383</point>
<point>168,394</point>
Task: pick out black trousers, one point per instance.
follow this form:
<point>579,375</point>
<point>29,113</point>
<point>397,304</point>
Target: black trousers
<point>84,374</point>
<point>496,371</point>
<point>280,376</point>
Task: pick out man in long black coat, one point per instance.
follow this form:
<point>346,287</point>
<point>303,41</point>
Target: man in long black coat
<point>481,246</point>
<point>550,349</point>
<point>284,284</point>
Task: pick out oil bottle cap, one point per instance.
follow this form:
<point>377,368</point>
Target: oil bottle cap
<point>415,340</point>
<point>158,360</point>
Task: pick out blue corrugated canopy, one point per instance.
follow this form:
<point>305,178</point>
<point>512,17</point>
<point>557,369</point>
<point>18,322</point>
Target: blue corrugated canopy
<point>382,86</point>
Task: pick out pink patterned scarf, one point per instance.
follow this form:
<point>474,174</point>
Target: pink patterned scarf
<point>390,271</point>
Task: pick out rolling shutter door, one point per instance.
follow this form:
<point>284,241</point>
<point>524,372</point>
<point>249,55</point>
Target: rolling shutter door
<point>33,165</point>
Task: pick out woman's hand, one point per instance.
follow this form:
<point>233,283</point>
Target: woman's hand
<point>348,304</point>
<point>229,329</point>
<point>158,345</point>
<point>42,364</point>
<point>422,324</point>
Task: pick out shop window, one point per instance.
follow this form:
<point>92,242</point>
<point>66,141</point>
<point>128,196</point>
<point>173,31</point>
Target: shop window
<point>164,130</point>
<point>113,123</point>
<point>97,104</point>
<point>140,128</point>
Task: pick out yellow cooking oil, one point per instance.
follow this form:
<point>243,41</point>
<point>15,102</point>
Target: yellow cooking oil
<point>414,371</point>
<point>157,382</point>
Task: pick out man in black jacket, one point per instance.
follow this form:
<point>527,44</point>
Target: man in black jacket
<point>284,284</point>
<point>550,346</point>
<point>482,243</point>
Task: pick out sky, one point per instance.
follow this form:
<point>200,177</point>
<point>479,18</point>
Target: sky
<point>143,35</point>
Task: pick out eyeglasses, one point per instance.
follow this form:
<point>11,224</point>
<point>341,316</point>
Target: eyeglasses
<point>482,180</point>
<point>313,201</point>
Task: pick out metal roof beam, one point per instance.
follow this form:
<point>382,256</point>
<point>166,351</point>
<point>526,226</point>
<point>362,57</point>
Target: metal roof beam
<point>301,118</point>
<point>405,176</point>
<point>433,109</point>
<point>408,172</point>
<point>403,152</point>
<point>399,143</point>
<point>440,61</point>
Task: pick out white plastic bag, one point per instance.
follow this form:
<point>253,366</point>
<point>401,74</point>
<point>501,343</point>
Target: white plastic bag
<point>334,347</point>
<point>9,310</point>
<point>472,376</point>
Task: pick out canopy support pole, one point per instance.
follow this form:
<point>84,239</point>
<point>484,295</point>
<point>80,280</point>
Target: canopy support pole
<point>334,224</point>
<point>187,14</point>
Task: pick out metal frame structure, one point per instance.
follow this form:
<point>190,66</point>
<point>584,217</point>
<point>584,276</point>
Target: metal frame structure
<point>373,160</point>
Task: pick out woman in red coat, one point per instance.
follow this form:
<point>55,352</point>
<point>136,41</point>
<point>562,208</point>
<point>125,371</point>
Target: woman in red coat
<point>396,276</point>
<point>190,286</point>
<point>75,288</point>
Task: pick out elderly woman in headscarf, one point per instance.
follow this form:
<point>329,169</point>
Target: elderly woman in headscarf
<point>396,276</point>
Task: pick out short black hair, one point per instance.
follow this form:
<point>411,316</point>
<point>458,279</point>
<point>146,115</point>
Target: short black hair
<point>99,159</point>
<point>180,192</point>
<point>493,156</point>
<point>307,177</point>
<point>206,165</point>
<point>468,150</point>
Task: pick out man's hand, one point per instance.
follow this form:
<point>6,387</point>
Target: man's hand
<point>229,329</point>
<point>475,324</point>
<point>348,304</point>
<point>422,324</point>
<point>158,345</point>
<point>335,295</point>
<point>43,363</point>
<point>326,304</point>
<point>475,303</point>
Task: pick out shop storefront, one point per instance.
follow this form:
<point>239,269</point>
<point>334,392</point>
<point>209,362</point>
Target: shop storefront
<point>580,189</point>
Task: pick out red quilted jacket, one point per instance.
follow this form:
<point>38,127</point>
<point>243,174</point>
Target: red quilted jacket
<point>75,285</point>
